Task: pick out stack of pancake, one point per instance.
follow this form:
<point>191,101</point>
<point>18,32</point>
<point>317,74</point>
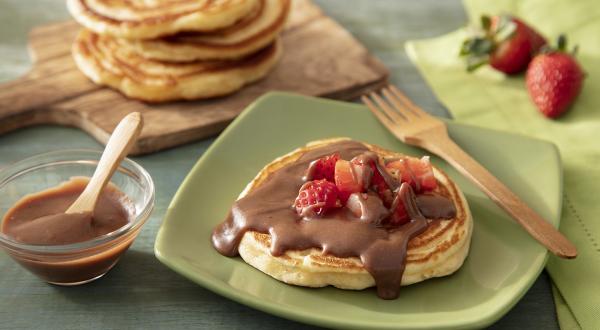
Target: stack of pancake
<point>168,50</point>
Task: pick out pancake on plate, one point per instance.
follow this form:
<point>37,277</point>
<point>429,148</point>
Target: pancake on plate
<point>412,224</point>
<point>248,35</point>
<point>141,19</point>
<point>105,62</point>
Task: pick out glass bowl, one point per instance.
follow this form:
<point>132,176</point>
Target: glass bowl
<point>77,263</point>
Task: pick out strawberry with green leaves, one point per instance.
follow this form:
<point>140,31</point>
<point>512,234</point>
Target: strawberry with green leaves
<point>506,43</point>
<point>554,79</point>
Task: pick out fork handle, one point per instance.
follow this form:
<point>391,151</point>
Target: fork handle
<point>533,223</point>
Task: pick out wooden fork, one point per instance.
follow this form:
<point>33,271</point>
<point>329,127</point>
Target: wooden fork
<point>414,126</point>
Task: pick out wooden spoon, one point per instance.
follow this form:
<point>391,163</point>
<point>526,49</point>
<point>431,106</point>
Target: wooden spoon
<point>119,144</point>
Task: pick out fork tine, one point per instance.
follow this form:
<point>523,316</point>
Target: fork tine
<point>399,106</point>
<point>396,116</point>
<point>400,96</point>
<point>380,115</point>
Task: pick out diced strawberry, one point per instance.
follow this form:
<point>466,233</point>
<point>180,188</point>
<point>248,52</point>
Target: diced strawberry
<point>398,216</point>
<point>346,180</point>
<point>418,173</point>
<point>381,187</point>
<point>424,171</point>
<point>316,198</point>
<point>364,174</point>
<point>377,181</point>
<point>322,168</point>
<point>400,169</point>
<point>400,207</point>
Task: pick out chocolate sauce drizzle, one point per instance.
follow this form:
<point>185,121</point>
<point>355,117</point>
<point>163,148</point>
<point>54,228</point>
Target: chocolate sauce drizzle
<point>268,209</point>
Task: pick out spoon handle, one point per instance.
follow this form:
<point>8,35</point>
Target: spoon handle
<point>119,144</point>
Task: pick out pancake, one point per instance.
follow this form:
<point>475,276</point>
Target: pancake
<point>106,63</point>
<point>250,34</point>
<point>439,251</point>
<point>142,19</point>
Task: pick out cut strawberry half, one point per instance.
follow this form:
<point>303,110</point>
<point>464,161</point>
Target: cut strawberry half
<point>418,173</point>
<point>316,198</point>
<point>322,168</point>
<point>346,180</point>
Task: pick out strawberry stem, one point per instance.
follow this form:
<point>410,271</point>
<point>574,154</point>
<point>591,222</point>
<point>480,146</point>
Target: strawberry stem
<point>486,22</point>
<point>477,46</point>
<point>562,43</point>
<point>561,46</point>
<point>473,63</point>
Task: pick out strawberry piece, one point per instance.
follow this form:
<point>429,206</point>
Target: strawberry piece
<point>424,171</point>
<point>401,170</point>
<point>507,44</point>
<point>404,208</point>
<point>399,215</point>
<point>375,179</point>
<point>381,187</point>
<point>346,180</point>
<point>364,174</point>
<point>316,198</point>
<point>418,173</point>
<point>322,168</point>
<point>554,80</point>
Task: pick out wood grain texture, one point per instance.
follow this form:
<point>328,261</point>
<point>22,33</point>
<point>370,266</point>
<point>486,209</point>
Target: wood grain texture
<point>320,59</point>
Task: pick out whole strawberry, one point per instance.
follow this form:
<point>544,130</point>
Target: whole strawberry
<point>506,43</point>
<point>554,80</point>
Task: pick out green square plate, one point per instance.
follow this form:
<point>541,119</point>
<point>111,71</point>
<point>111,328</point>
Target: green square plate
<point>502,264</point>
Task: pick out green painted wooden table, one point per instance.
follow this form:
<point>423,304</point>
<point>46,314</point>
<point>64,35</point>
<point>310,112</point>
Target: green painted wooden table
<point>142,293</point>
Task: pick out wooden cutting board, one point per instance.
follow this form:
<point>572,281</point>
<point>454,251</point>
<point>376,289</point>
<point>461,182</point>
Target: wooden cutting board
<point>320,59</point>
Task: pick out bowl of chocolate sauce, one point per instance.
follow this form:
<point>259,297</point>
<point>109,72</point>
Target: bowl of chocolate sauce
<point>70,249</point>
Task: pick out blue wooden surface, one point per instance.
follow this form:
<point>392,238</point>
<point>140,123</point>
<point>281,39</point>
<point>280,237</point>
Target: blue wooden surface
<point>140,292</point>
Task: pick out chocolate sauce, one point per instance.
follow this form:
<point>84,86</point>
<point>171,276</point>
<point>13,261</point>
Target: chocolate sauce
<point>269,209</point>
<point>436,206</point>
<point>368,207</point>
<point>39,218</point>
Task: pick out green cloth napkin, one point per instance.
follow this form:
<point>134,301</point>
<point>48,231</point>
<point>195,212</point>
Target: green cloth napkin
<point>488,98</point>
